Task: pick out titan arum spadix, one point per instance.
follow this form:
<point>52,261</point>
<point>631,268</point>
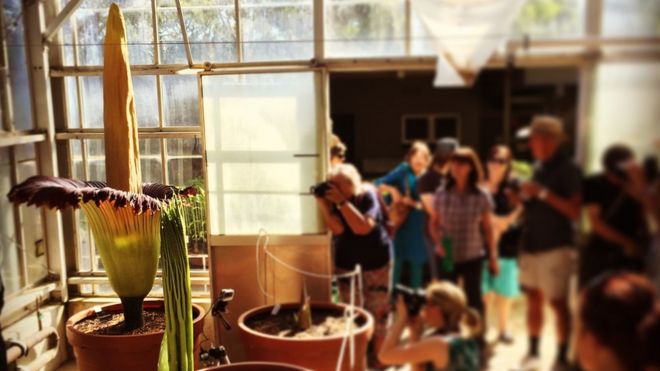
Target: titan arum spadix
<point>124,214</point>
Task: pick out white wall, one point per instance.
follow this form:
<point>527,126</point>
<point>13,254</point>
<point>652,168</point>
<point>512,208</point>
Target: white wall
<point>626,109</point>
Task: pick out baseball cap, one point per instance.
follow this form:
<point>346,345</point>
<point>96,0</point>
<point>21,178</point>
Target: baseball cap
<point>545,125</point>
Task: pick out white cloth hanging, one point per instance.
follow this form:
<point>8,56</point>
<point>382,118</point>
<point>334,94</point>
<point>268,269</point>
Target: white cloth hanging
<point>465,34</point>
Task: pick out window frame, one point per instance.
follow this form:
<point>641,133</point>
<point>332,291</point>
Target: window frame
<point>430,123</point>
<point>580,57</point>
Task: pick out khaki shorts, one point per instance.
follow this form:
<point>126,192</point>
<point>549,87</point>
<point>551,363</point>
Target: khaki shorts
<point>549,271</point>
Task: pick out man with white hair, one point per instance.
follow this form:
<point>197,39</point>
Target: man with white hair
<point>547,256</point>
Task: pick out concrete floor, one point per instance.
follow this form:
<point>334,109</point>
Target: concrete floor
<point>506,357</point>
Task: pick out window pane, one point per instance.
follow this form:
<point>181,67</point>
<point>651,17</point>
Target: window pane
<point>67,44</point>
<point>84,243</point>
<point>184,171</point>
<point>184,162</point>
<point>34,244</point>
<point>95,159</point>
<point>416,129</point>
<point>422,42</point>
<point>169,34</point>
<point>279,214</point>
<point>633,85</point>
<point>92,101</point>
<point>90,22</point>
<point>150,161</point>
<point>90,27</point>
<point>551,19</point>
<point>184,147</point>
<point>71,86</point>
<point>146,101</point>
<point>364,28</point>
<point>144,92</point>
<point>262,152</point>
<point>84,236</point>
<point>277,30</point>
<point>445,127</point>
<point>140,34</point>
<point>18,68</point>
<point>180,101</point>
<point>631,18</point>
<point>211,31</point>
<point>77,169</point>
<point>10,264</point>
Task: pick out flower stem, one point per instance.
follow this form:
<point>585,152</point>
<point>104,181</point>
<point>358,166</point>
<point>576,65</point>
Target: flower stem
<point>133,316</point>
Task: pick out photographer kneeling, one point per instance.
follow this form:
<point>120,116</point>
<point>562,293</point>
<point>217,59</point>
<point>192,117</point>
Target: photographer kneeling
<point>451,346</point>
<point>353,213</point>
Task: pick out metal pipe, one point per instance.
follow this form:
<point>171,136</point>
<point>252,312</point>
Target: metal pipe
<point>20,349</point>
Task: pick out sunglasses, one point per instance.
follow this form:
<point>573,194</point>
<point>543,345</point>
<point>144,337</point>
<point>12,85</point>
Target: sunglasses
<point>501,161</point>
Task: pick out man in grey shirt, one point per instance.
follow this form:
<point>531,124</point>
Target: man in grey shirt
<point>547,258</point>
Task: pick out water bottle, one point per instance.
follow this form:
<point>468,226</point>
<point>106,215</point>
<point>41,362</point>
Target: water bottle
<point>335,290</point>
<point>448,259</point>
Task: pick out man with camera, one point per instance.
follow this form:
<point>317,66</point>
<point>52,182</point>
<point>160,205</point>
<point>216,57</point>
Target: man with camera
<point>547,255</point>
<point>614,203</point>
<point>353,214</point>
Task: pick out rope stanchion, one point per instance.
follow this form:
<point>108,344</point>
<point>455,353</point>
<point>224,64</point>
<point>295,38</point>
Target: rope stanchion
<point>355,276</point>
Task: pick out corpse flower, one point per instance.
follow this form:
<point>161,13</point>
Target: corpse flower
<point>123,213</point>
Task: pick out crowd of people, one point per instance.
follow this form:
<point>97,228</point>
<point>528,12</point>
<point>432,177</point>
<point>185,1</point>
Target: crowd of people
<point>477,237</point>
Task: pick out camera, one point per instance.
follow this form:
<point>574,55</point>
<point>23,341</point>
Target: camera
<point>514,185</point>
<point>651,168</point>
<point>320,189</point>
<point>414,298</point>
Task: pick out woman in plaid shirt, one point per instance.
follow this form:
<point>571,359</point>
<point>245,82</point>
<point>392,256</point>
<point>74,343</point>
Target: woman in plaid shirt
<point>462,219</point>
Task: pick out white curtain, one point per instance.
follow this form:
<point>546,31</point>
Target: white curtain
<point>465,34</point>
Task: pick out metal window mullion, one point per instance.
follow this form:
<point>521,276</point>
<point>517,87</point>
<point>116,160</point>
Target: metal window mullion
<point>7,109</point>
<point>18,221</point>
<point>154,27</point>
<point>163,159</point>
<point>90,246</point>
<point>184,32</point>
<point>408,29</point>
<point>586,88</point>
<point>239,38</point>
<point>74,32</point>
<point>319,30</point>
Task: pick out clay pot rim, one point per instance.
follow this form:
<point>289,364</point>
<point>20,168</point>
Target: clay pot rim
<point>83,314</point>
<point>260,363</point>
<point>369,323</point>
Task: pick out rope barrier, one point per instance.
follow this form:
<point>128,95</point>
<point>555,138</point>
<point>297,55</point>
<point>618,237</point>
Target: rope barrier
<point>349,312</point>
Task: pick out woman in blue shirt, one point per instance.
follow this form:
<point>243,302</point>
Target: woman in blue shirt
<point>401,185</point>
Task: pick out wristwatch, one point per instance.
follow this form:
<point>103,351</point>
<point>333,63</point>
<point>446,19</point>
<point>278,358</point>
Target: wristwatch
<point>543,194</point>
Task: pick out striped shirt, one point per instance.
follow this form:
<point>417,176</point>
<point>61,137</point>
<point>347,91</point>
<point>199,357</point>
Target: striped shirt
<point>460,220</point>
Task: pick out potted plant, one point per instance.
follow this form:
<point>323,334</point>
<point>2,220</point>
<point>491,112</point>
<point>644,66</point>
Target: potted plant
<point>195,216</point>
<point>306,334</point>
<point>256,366</point>
<point>125,218</point>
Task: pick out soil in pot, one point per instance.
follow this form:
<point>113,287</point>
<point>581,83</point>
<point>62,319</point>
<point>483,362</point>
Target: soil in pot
<point>325,322</point>
<point>266,337</point>
<point>120,351</point>
<point>113,324</point>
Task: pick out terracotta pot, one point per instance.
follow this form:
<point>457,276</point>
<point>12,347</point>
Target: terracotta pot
<point>317,354</point>
<point>122,352</point>
<point>256,366</point>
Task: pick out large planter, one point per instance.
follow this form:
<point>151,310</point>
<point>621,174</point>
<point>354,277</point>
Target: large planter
<point>256,366</point>
<point>122,352</point>
<point>319,353</point>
